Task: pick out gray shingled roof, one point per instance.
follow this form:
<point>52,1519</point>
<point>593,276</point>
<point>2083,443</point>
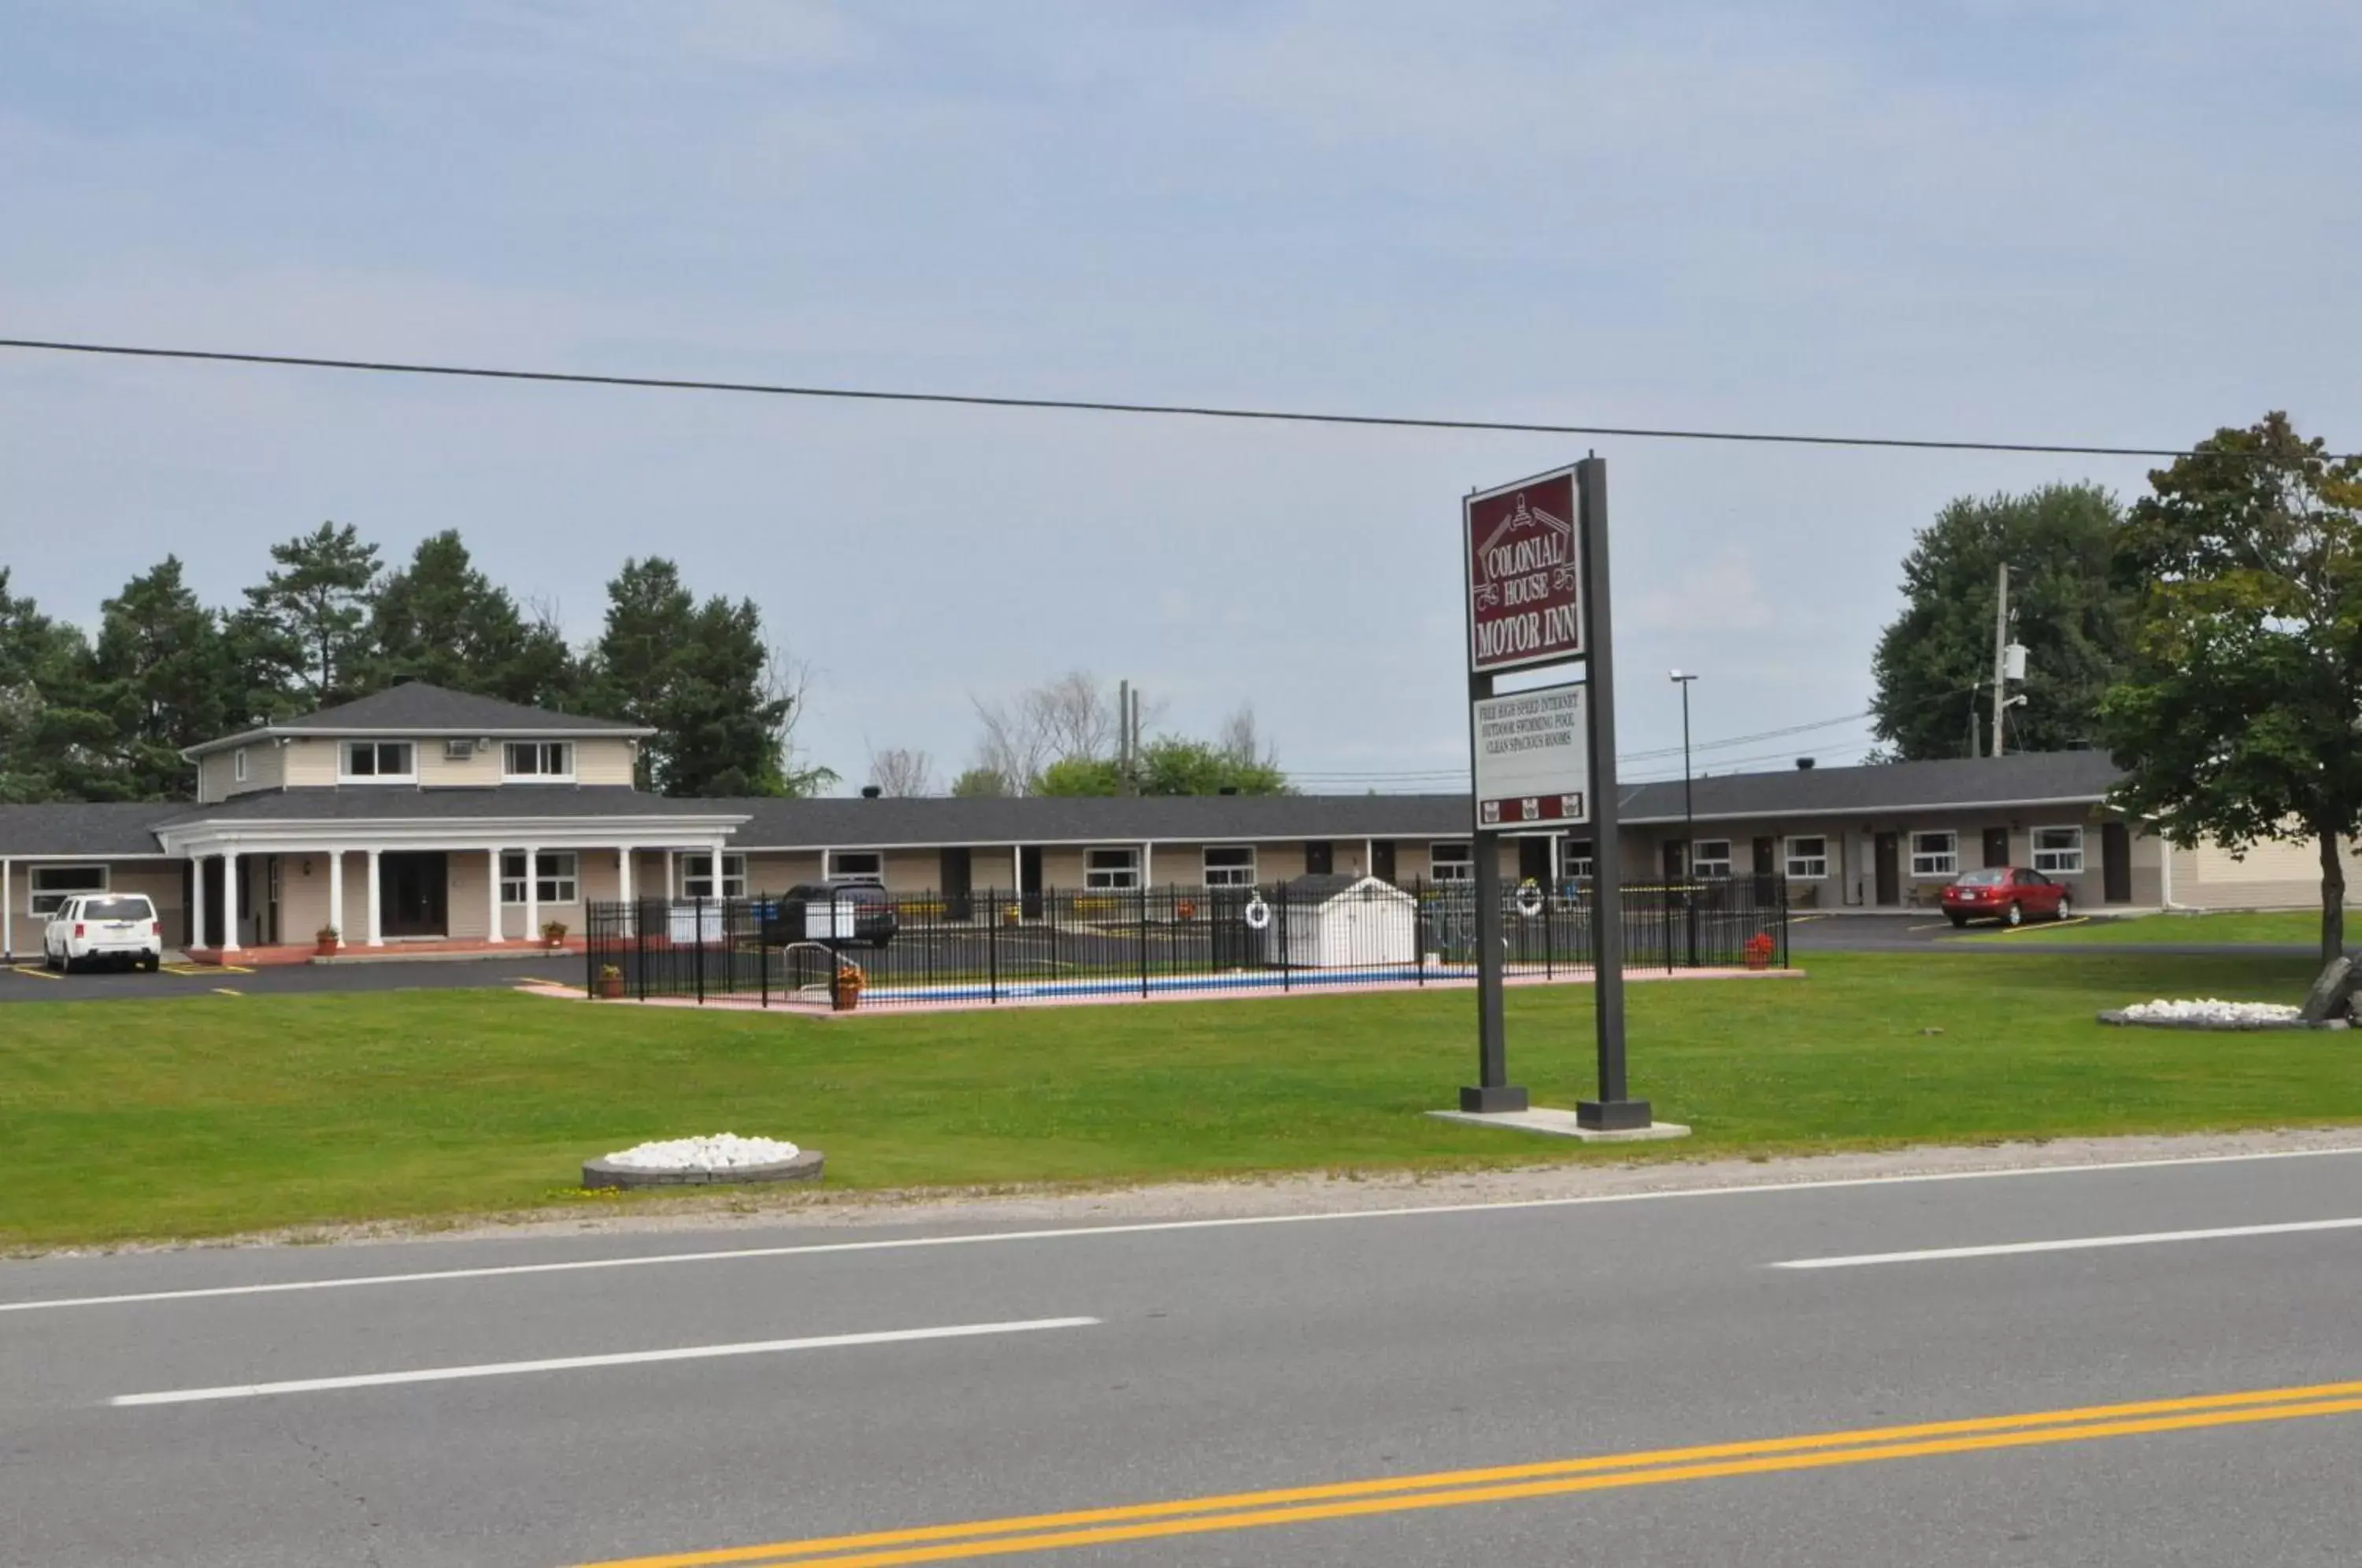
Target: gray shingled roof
<point>871,825</point>
<point>395,804</point>
<point>85,827</point>
<point>416,708</point>
<point>2025,778</point>
<point>118,829</point>
<point>416,705</point>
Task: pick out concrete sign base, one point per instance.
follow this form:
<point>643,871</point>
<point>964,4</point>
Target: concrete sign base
<point>1563,1125</point>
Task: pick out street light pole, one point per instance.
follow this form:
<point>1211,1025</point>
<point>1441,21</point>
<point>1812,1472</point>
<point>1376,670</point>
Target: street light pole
<point>1689,809</point>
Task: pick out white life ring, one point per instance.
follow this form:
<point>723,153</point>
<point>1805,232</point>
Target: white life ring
<point>1258,914</point>
<point>1529,899</point>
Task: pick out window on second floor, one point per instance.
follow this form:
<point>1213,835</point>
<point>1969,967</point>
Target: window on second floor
<point>380,762</point>
<point>538,759</point>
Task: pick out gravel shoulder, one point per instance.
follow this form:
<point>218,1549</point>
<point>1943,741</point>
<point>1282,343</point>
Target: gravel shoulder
<point>746,1211</point>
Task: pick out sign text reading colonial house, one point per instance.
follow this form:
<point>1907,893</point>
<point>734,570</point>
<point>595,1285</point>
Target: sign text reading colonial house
<point>1524,588</point>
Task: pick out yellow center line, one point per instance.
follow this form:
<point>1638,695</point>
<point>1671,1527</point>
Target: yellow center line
<point>1245,1510</point>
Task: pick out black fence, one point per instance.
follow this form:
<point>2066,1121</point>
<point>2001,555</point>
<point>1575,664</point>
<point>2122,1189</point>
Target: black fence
<point>859,946</point>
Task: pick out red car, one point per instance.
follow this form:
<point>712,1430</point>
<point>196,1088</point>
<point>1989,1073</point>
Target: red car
<point>2009,894</point>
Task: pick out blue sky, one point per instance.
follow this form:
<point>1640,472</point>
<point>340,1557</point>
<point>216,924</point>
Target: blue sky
<point>2116,223</point>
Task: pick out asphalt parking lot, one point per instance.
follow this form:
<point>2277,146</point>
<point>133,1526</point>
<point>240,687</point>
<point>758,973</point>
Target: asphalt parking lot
<point>30,982</point>
<point>1929,932</point>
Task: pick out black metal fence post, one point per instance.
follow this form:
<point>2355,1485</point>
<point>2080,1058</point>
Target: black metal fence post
<point>697,940</point>
<point>765,913</point>
<point>992,945</point>
<point>640,950</point>
<point>1143,940</point>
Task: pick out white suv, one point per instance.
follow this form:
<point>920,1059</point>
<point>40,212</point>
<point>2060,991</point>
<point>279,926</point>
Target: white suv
<point>114,928</point>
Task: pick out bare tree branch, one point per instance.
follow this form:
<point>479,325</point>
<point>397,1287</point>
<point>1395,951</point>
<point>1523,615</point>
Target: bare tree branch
<point>900,773</point>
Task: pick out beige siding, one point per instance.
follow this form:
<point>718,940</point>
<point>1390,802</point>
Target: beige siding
<point>2265,876</point>
<point>603,761</point>
<point>217,771</point>
<point>159,879</point>
<point>309,763</point>
<point>480,768</point>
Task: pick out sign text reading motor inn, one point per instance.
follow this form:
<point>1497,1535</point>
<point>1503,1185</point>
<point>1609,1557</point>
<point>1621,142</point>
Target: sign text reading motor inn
<point>1524,575</point>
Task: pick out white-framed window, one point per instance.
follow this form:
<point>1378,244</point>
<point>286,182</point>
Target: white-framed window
<point>1575,858</point>
<point>555,872</point>
<point>2058,851</point>
<point>1935,855</point>
<point>238,766</point>
<point>380,762</point>
<point>1710,858</point>
<point>855,866</point>
<point>1111,870</point>
<point>1451,862</point>
<point>697,877</point>
<point>53,884</point>
<point>1808,857</point>
<point>1231,866</point>
<point>552,760</point>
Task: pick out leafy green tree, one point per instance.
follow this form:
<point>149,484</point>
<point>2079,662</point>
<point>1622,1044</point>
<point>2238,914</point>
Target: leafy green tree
<point>981,783</point>
<point>1080,775</point>
<point>2066,607</point>
<point>1171,765</point>
<point>442,621</point>
<point>724,705</point>
<point>47,731</point>
<point>2238,719</point>
<point>163,675</point>
<point>304,635</point>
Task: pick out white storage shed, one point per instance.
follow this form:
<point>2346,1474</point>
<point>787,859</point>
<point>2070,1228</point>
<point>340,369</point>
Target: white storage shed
<point>1344,922</point>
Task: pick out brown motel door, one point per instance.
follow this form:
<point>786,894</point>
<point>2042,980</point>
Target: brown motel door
<point>1890,870</point>
<point>1996,847</point>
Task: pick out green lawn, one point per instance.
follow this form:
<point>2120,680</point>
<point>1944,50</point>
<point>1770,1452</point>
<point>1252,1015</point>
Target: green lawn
<point>197,1116</point>
<point>2297,927</point>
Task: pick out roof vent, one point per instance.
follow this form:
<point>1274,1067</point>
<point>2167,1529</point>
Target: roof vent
<point>1804,764</point>
<point>871,792</point>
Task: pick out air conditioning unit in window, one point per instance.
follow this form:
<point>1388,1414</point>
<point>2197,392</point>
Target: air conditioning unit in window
<point>459,750</point>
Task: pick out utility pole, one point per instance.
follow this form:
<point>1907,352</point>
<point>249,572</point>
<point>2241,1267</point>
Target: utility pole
<point>1123,736</point>
<point>2000,654</point>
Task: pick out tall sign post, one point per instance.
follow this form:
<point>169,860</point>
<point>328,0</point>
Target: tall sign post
<point>1535,557</point>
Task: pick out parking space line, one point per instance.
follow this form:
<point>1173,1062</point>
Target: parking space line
<point>2074,1244</point>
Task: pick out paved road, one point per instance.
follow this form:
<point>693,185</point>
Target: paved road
<point>31,983</point>
<point>1144,1365</point>
<point>1924,933</point>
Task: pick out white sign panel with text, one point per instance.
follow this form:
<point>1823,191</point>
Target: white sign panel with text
<point>1533,758</point>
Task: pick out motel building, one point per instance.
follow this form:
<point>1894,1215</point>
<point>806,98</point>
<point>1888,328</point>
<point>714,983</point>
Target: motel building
<point>420,817</point>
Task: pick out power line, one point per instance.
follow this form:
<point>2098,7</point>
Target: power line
<point>1446,775</point>
<point>1084,405</point>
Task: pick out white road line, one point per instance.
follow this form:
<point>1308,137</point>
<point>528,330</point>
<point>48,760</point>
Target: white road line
<point>1143,1228</point>
<point>2075,1244</point>
<point>581,1362</point>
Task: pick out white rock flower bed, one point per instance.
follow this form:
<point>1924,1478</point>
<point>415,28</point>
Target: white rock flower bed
<point>721,1152</point>
<point>2209,1009</point>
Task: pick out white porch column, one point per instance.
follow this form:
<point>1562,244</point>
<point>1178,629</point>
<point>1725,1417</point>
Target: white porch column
<point>1147,866</point>
<point>337,893</point>
<point>229,900</point>
<point>1017,872</point>
<point>197,903</point>
<point>532,894</point>
<point>622,887</point>
<point>376,917</point>
<point>492,921</point>
<point>672,886</point>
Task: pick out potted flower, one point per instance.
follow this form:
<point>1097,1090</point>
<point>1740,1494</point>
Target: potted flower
<point>327,937</point>
<point>845,995</point>
<point>1758,951</point>
<point>1185,911</point>
<point>553,931</point>
<point>610,981</point>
